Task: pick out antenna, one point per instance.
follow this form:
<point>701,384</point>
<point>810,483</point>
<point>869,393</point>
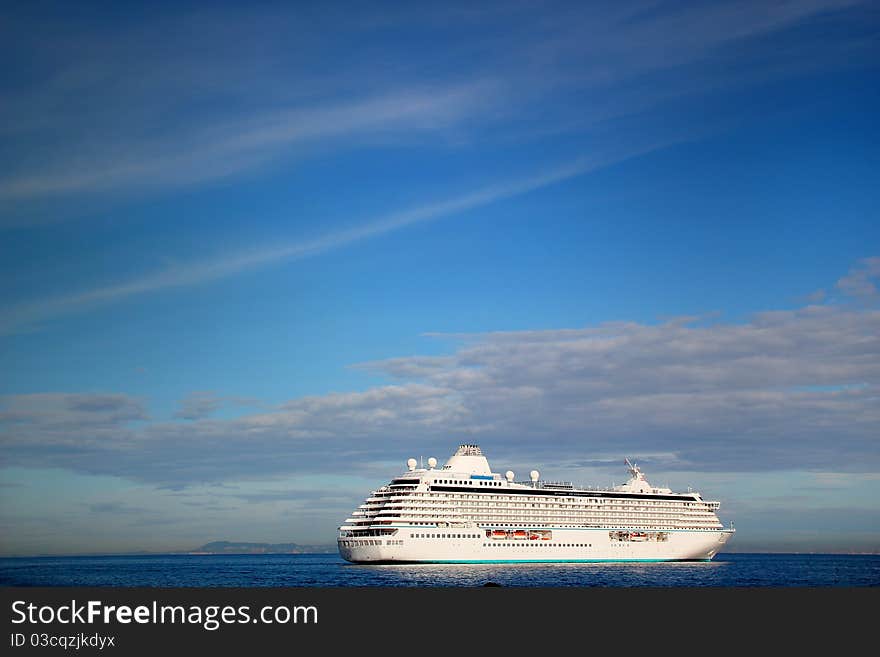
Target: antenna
<point>633,469</point>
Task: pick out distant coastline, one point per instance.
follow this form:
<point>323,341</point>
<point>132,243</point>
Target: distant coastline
<point>214,547</point>
<point>233,547</point>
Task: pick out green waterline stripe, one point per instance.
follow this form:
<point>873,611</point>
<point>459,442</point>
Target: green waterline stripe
<point>498,561</point>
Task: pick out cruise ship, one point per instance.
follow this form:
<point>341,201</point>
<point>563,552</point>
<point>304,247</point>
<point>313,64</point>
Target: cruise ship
<point>463,512</point>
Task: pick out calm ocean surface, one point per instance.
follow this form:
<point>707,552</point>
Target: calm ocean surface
<point>752,570</point>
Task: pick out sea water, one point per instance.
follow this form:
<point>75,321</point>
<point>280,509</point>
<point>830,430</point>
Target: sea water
<point>329,570</point>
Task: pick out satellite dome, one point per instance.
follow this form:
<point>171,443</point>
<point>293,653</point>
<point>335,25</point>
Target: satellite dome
<point>411,464</point>
<point>432,462</point>
<point>509,475</point>
<point>534,474</point>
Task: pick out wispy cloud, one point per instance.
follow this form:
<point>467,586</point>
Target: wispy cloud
<point>27,314</point>
<point>108,110</point>
<point>233,146</point>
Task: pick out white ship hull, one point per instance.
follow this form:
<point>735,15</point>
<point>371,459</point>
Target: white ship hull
<point>566,546</point>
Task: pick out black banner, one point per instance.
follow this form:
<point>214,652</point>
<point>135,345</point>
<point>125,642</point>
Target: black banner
<point>133,621</point>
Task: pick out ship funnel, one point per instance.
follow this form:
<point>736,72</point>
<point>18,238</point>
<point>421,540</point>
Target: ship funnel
<point>469,459</point>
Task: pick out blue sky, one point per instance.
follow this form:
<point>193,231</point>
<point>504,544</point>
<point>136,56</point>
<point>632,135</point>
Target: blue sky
<point>252,258</point>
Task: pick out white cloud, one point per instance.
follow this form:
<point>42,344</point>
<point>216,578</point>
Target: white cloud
<point>204,403</point>
<point>794,389</point>
<point>861,280</point>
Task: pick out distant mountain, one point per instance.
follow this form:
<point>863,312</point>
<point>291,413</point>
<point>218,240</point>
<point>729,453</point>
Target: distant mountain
<point>234,547</point>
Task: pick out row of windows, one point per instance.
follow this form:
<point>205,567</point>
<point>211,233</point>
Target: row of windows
<point>591,526</point>
<point>445,536</point>
<point>689,501</point>
<point>522,508</point>
<point>519,499</point>
<point>355,543</point>
<point>521,544</point>
<point>536,513</point>
<point>551,518</point>
<point>554,518</point>
<point>461,513</point>
<point>430,517</point>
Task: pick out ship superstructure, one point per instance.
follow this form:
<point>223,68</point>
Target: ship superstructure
<point>465,513</point>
